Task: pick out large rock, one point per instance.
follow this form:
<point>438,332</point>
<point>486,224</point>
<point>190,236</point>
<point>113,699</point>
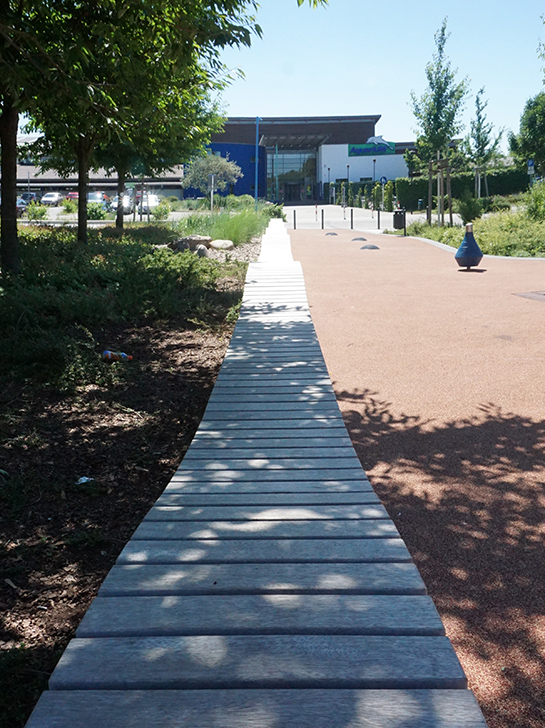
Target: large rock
<point>222,244</point>
<point>190,242</point>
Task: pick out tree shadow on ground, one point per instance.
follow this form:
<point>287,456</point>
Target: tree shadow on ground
<point>61,537</point>
<point>468,498</point>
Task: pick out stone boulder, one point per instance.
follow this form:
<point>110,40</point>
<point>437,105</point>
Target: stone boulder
<point>222,244</point>
<point>190,242</point>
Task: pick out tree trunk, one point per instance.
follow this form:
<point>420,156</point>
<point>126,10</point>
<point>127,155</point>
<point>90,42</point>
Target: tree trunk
<point>121,176</point>
<point>9,247</point>
<point>430,195</point>
<point>83,152</point>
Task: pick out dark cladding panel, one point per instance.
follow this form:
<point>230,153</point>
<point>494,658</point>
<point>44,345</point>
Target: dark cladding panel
<point>325,129</point>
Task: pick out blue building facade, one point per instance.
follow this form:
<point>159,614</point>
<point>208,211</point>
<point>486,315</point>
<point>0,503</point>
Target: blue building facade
<point>244,156</point>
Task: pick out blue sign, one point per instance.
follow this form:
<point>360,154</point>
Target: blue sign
<point>383,180</point>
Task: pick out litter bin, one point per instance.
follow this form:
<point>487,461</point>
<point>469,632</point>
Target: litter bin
<point>399,219</point>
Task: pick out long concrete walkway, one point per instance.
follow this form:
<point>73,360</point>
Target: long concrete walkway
<point>267,587</point>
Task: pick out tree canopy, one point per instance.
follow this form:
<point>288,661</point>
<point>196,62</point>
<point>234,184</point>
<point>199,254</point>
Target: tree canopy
<point>88,71</point>
<point>529,143</point>
<point>199,172</point>
<point>438,110</point>
<point>482,144</point>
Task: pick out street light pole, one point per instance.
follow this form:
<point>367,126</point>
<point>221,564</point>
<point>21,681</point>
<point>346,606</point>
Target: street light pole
<point>374,163</point>
<point>256,158</point>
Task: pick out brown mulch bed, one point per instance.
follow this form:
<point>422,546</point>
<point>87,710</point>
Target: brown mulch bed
<point>60,538</point>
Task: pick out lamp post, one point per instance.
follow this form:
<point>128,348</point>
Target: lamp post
<point>374,163</point>
<point>212,181</point>
<point>256,158</point>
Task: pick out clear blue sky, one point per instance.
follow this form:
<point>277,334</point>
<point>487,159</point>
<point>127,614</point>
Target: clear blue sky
<point>357,57</point>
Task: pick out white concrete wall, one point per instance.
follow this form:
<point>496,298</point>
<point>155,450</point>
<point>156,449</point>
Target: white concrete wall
<point>335,157</point>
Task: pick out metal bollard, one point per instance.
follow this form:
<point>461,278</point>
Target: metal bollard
<point>322,219</point>
<point>294,221</point>
<point>378,219</point>
<point>351,218</point>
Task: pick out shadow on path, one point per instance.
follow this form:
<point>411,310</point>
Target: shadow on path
<point>468,498</point>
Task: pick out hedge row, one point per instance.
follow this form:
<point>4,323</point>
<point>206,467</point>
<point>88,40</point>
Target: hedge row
<point>500,182</point>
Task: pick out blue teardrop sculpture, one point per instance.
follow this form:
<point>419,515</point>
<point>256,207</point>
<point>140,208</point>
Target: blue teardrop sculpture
<point>468,254</point>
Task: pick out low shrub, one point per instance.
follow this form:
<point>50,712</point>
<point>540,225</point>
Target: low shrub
<point>161,212</point>
<point>534,200</point>
<point>95,211</point>
<point>239,227</point>
<point>275,211</point>
<point>36,212</point>
<point>468,207</point>
<point>69,206</point>
<point>51,315</point>
<point>503,233</point>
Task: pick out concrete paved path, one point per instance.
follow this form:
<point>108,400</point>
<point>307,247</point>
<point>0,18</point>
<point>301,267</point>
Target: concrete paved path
<point>267,586</point>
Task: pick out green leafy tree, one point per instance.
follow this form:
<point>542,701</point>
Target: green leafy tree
<point>171,132</point>
<point>66,63</point>
<point>481,144</point>
<point>31,34</point>
<point>438,110</point>
<point>389,196</point>
<point>377,196</point>
<point>529,143</point>
<point>199,171</point>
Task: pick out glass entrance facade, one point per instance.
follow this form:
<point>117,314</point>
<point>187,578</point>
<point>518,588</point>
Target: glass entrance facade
<point>291,175</point>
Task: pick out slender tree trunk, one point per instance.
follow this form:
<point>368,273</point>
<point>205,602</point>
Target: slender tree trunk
<point>9,247</point>
<point>430,195</point>
<point>83,152</point>
<point>121,176</point>
<point>449,193</point>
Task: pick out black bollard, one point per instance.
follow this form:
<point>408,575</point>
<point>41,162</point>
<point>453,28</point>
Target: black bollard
<point>294,221</point>
<point>322,219</point>
<point>378,219</point>
<point>351,218</point>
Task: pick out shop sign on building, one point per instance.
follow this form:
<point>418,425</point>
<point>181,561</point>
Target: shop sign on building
<point>373,147</point>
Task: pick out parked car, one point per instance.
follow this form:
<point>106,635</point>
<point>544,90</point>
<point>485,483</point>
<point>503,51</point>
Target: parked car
<point>29,197</point>
<point>51,198</point>
<point>72,196</point>
<point>128,204</point>
<point>21,206</point>
<point>149,202</point>
<point>100,197</point>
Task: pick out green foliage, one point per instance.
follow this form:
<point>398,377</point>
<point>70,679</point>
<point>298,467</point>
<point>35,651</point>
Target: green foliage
<point>468,207</point>
<point>377,196</point>
<point>162,211</point>
<point>500,182</point>
<point>438,110</point>
<point>234,202</point>
<point>240,227</point>
<point>198,173</point>
<point>51,313</point>
<point>481,144</point>
<point>275,211</point>
<point>389,196</point>
<point>529,143</point>
<point>534,200</point>
<point>95,211</point>
<point>69,206</point>
<point>504,233</point>
<point>35,211</point>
